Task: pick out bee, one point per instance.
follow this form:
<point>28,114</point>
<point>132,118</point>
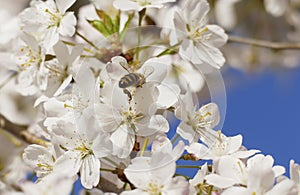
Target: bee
<point>134,79</point>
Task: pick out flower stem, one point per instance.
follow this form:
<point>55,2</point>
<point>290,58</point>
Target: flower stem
<point>171,50</point>
<point>112,162</point>
<point>210,189</point>
<point>73,44</point>
<point>86,40</point>
<point>188,166</point>
<point>174,139</point>
<point>187,177</point>
<point>107,170</point>
<point>11,138</point>
<point>144,146</point>
<point>142,13</point>
<point>263,43</point>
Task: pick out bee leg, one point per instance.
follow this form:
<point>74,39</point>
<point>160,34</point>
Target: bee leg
<point>128,94</point>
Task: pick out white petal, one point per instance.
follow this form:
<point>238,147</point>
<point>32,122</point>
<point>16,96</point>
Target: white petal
<point>67,25</point>
<point>199,150</point>
<point>177,186</point>
<point>209,54</point>
<point>187,132</point>
<point>219,181</point>
<point>51,38</point>
<point>219,37</point>
<point>90,172</point>
<point>278,170</point>
<point>211,113</point>
<point>63,86</point>
<point>199,177</point>
<point>134,192</point>
<point>158,123</point>
<point>284,187</point>
<point>294,171</point>
<point>123,140</point>
<point>63,5</point>
<point>109,118</point>
<point>161,144</point>
<point>162,166</point>
<point>232,168</point>
<point>69,163</point>
<point>85,80</point>
<point>159,73</point>
<point>101,146</point>
<point>126,5</point>
<point>168,95</point>
<point>178,150</point>
<point>145,97</point>
<point>244,154</point>
<point>237,191</point>
<point>235,143</point>
<point>138,172</point>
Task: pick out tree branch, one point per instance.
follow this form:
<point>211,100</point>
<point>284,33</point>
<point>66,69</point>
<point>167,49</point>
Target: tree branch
<point>263,43</point>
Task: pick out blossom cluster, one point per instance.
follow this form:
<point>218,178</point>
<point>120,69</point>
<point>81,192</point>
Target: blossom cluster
<point>104,86</point>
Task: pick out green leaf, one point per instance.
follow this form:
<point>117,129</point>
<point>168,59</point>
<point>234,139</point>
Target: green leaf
<point>106,20</point>
<point>116,22</point>
<point>98,25</point>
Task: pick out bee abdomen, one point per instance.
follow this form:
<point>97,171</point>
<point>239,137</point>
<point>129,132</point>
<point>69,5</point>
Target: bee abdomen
<point>128,80</point>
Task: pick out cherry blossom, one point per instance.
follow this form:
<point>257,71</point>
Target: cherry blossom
<point>153,175</point>
<point>196,123</point>
<point>49,19</point>
<point>200,41</point>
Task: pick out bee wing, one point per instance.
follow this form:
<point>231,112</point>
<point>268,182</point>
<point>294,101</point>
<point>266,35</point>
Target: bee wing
<point>148,70</point>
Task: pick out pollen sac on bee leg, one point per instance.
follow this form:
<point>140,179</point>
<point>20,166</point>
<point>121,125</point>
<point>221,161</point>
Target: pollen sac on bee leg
<point>127,92</point>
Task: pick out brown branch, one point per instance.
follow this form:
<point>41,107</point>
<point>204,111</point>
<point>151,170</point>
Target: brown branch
<point>263,43</point>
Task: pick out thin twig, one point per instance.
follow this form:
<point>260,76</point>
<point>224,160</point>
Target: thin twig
<point>263,43</point>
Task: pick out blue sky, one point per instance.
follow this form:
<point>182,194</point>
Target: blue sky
<point>264,107</point>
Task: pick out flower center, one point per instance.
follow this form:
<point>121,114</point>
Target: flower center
<point>130,118</point>
<point>84,150</point>
<point>143,2</point>
<point>199,34</point>
<point>29,57</point>
<point>154,189</point>
<point>55,18</point>
<point>221,146</point>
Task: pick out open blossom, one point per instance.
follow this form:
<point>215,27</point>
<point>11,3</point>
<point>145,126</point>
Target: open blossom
<point>219,146</point>
<point>256,177</point>
<point>83,150</point>
<point>126,5</point>
<point>200,41</point>
<point>40,158</point>
<point>30,59</point>
<point>124,117</point>
<point>63,68</point>
<point>198,183</point>
<point>49,20</point>
<point>196,123</point>
<point>79,104</point>
<point>52,184</point>
<point>154,175</point>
